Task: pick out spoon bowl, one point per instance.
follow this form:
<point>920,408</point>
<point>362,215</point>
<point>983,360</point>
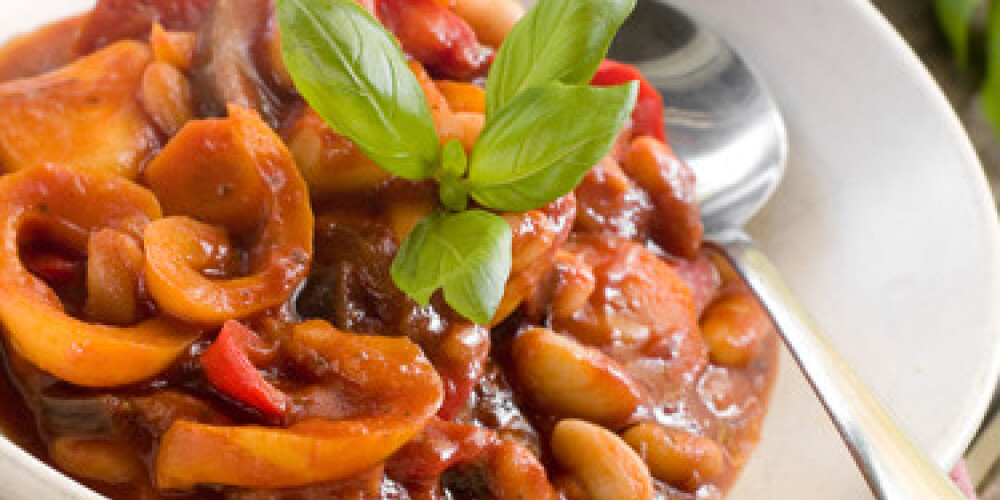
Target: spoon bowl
<point>719,116</point>
<point>722,121</point>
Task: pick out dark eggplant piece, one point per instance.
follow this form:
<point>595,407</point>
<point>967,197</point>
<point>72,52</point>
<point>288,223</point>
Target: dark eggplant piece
<point>225,69</point>
<point>78,415</point>
<point>114,20</point>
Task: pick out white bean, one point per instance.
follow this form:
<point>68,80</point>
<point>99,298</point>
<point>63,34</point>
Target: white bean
<point>114,267</point>
<point>490,19</point>
<point>606,467</point>
<point>166,96</point>
<point>572,380</point>
<point>734,328</point>
<point>675,456</point>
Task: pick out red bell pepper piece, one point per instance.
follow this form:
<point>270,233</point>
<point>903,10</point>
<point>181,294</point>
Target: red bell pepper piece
<point>229,369</point>
<point>368,5</point>
<point>439,446</point>
<point>54,268</point>
<point>435,36</point>
<point>647,118</point>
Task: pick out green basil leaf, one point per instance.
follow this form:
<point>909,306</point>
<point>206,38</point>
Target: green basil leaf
<point>955,18</point>
<point>557,41</point>
<point>353,73</point>
<point>453,160</point>
<point>466,254</point>
<point>542,143</point>
<point>453,193</point>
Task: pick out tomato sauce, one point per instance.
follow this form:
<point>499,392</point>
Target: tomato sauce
<point>614,273</point>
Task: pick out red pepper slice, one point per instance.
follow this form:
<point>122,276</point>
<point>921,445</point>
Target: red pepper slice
<point>435,36</point>
<point>229,369</point>
<point>54,268</point>
<point>439,446</point>
<point>647,118</point>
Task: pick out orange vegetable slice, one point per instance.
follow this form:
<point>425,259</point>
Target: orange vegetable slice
<point>84,115</point>
<point>394,375</point>
<point>227,176</point>
<point>73,204</point>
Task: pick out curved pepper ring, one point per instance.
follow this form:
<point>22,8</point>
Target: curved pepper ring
<point>70,205</point>
<point>218,178</point>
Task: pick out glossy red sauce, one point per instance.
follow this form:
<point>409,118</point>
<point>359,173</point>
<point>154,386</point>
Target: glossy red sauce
<point>591,267</point>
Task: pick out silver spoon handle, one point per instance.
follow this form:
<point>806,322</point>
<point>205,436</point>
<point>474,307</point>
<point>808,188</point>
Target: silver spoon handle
<point>891,463</point>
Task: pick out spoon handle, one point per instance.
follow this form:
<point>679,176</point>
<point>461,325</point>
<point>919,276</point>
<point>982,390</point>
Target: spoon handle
<point>891,463</point>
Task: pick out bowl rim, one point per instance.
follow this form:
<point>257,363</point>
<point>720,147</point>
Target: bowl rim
<point>949,446</point>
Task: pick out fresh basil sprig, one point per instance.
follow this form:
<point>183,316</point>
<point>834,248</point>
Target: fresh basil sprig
<point>557,41</point>
<point>511,170</point>
<point>454,163</point>
<point>353,73</point>
<point>545,127</point>
<point>448,251</point>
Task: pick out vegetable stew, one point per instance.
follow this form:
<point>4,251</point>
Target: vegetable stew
<point>219,281</point>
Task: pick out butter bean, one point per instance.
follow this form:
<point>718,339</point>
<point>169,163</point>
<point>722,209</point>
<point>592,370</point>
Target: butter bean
<point>571,380</point>
<point>674,456</point>
<point>606,467</point>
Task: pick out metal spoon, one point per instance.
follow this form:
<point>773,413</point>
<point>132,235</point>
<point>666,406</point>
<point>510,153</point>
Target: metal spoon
<point>722,121</point>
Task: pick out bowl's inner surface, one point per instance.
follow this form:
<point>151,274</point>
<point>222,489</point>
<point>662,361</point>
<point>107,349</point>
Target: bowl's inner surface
<point>884,227</point>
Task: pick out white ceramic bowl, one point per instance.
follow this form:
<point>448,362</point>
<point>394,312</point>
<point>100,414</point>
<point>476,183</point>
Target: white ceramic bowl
<point>884,226</point>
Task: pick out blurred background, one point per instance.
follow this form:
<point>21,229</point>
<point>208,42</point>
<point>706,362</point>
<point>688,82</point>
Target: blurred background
<point>924,24</point>
<point>959,42</point>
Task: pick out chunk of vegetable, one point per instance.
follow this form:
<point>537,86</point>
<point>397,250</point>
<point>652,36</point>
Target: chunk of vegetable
<point>175,48</point>
<point>515,473</point>
<point>462,97</point>
<point>538,234</point>
<point>238,174</point>
<point>404,392</point>
<point>36,325</point>
<point>228,368</point>
<point>166,96</point>
<point>641,307</point>
<point>647,118</point>
<point>330,163</point>
<point>670,184</point>
<point>435,36</point>
<point>56,115</point>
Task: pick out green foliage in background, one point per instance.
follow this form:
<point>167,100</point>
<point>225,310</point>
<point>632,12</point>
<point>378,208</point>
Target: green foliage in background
<point>963,22</point>
<point>956,17</point>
